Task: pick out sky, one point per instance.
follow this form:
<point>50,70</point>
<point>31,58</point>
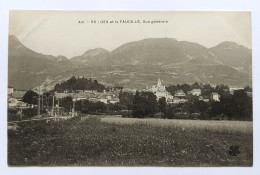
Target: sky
<point>64,33</point>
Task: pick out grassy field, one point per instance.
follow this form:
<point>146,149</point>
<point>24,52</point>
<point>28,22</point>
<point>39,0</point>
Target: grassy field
<point>113,141</point>
<point>214,126</point>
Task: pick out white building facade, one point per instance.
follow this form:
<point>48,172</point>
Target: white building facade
<point>196,92</point>
<point>215,96</point>
<point>160,91</point>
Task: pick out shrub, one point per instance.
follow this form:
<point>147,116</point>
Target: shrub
<point>30,112</point>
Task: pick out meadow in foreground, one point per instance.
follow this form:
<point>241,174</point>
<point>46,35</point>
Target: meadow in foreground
<point>96,142</point>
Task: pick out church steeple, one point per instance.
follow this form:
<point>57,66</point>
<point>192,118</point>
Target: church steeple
<point>159,82</point>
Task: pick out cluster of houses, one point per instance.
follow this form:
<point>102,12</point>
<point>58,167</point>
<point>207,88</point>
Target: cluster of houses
<point>179,97</point>
<point>112,97</point>
<point>92,95</point>
<point>15,97</point>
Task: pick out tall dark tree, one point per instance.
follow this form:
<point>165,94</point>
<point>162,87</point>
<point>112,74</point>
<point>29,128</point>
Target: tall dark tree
<point>172,89</point>
<point>216,108</point>
<point>248,89</point>
<point>207,90</point>
<point>222,89</point>
<point>144,105</point>
<point>66,103</point>
<point>114,107</point>
<point>242,105</point>
<point>236,107</point>
<point>189,107</point>
<point>195,85</point>
<point>86,106</point>
<point>126,100</point>
<point>162,105</point>
<point>169,112</point>
<point>185,88</point>
<point>227,105</point>
<point>30,97</point>
<point>201,106</point>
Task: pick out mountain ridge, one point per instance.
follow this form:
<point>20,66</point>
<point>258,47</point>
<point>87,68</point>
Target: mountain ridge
<point>25,64</point>
<point>234,55</point>
<point>150,50</point>
<point>133,64</point>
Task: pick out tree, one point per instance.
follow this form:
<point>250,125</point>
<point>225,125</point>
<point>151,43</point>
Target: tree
<point>30,97</point>
<point>172,89</point>
<point>83,83</point>
<point>126,100</point>
<point>222,89</point>
<point>144,105</point>
<point>114,107</point>
<point>242,105</point>
<point>189,107</point>
<point>216,108</point>
<point>169,112</point>
<point>207,90</point>
<point>185,88</point>
<point>236,107</point>
<point>227,105</point>
<point>248,89</point>
<point>86,106</point>
<point>99,107</point>
<point>30,112</point>
<point>195,86</point>
<point>201,106</point>
<point>162,105</point>
<point>66,103</point>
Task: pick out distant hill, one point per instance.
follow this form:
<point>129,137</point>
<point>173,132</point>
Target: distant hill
<point>234,55</point>
<point>140,76</point>
<point>92,57</point>
<point>135,64</point>
<point>27,69</point>
<point>150,51</point>
<point>160,51</point>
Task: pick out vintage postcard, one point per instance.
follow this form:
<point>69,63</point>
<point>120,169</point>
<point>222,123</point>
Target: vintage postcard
<point>130,88</point>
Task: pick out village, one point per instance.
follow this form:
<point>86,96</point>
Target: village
<point>15,96</point>
<point>110,96</point>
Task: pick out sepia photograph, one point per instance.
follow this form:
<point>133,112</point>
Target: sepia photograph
<point>129,88</point>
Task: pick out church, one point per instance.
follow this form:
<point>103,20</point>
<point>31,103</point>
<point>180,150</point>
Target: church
<point>160,91</point>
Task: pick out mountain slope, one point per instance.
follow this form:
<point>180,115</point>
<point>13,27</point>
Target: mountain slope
<point>150,51</point>
<point>234,55</point>
<point>140,76</point>
<point>134,65</point>
<point>92,57</point>
<point>27,69</point>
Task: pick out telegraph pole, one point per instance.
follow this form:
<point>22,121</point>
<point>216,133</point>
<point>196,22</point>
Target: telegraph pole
<point>73,109</point>
<point>42,102</point>
<point>39,102</point>
<point>58,107</point>
<point>39,105</point>
<point>53,105</point>
<point>46,102</point>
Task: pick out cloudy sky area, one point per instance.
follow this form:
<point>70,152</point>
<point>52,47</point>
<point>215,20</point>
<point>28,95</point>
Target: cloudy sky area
<point>59,33</point>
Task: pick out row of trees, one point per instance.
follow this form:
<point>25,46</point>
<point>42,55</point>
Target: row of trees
<point>206,89</point>
<point>89,107</point>
<point>235,107</point>
<point>21,114</point>
<point>144,104</point>
<point>31,97</point>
